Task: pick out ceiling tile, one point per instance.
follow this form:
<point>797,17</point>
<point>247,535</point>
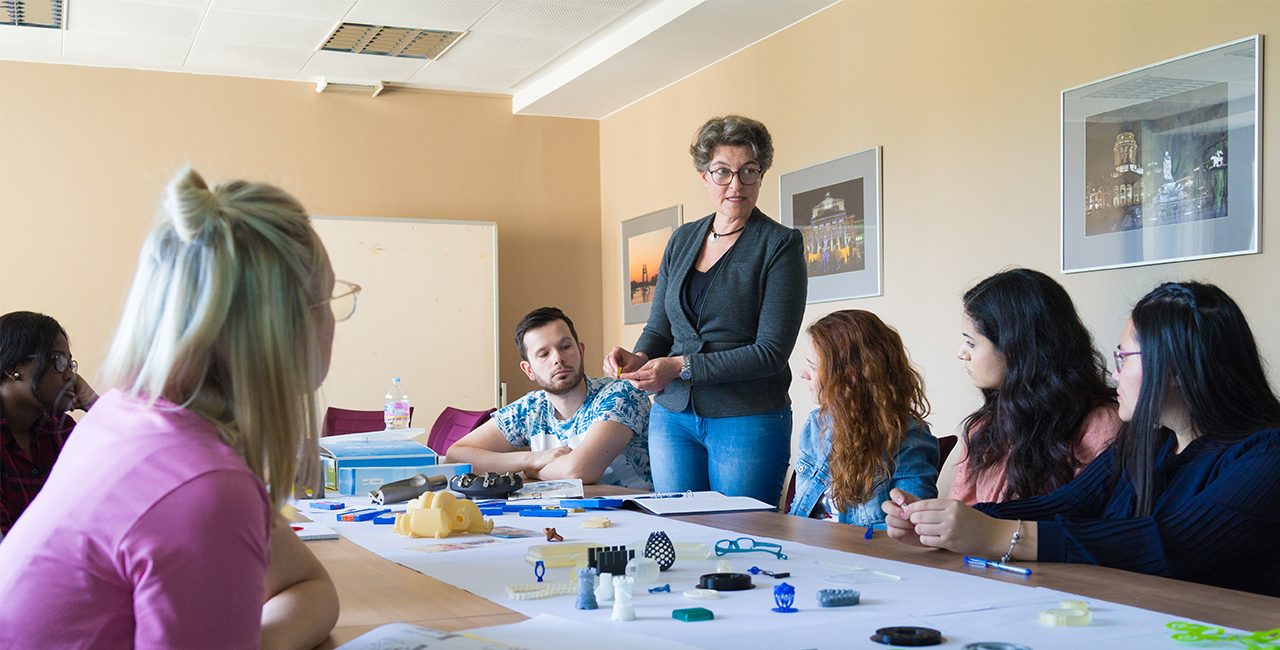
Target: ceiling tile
<point>449,15</point>
<point>331,10</point>
<point>345,66</point>
<point>511,50</point>
<point>156,19</point>
<point>264,29</point>
<point>143,51</point>
<point>30,43</point>
<point>481,77</point>
<point>547,19</point>
<point>611,5</point>
<point>248,59</point>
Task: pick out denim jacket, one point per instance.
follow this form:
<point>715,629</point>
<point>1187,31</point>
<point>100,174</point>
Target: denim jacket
<point>916,472</point>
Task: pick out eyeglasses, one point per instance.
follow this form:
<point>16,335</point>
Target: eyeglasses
<point>1119,356</point>
<point>748,545</point>
<point>748,176</point>
<point>346,295</point>
<point>61,363</point>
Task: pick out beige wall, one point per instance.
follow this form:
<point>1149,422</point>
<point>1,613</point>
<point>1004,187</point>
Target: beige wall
<point>85,153</point>
<point>964,97</point>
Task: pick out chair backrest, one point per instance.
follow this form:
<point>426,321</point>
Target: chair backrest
<point>791,491</point>
<point>338,421</point>
<point>945,445</point>
<point>452,425</point>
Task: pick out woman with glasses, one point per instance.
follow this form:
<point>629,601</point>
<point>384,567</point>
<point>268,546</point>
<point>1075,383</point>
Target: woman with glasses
<point>1188,491</point>
<point>1046,408</point>
<point>160,524</point>
<point>727,309</point>
<point>38,386</point>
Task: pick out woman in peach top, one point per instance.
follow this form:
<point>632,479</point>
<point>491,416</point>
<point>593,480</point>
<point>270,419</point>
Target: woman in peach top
<point>1047,410</point>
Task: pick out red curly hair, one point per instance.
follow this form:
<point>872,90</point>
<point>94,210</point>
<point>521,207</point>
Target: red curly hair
<point>869,393</point>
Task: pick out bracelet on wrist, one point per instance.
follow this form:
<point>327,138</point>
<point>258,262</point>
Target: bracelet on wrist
<point>1017,537</point>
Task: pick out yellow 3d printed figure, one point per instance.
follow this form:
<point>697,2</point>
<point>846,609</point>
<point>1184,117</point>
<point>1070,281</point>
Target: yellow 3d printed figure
<point>438,514</point>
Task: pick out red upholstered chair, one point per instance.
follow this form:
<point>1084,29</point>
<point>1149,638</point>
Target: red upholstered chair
<point>452,425</point>
<point>342,421</point>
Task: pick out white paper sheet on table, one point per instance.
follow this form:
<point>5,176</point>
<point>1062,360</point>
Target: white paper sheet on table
<point>547,632</point>
<point>965,606</point>
<point>401,636</point>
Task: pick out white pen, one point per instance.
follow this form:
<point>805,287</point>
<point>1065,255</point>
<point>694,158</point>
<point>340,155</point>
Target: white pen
<point>979,562</point>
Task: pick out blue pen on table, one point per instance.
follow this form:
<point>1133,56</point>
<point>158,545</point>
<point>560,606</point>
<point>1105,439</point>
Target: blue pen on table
<point>660,495</point>
<point>979,562</point>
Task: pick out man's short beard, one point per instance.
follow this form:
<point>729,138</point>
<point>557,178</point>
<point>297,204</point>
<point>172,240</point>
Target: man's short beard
<point>558,388</point>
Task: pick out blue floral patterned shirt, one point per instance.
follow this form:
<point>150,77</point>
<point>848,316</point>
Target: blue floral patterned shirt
<point>531,422</point>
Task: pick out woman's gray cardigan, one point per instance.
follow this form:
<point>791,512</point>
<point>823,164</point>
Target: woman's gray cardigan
<point>751,317</point>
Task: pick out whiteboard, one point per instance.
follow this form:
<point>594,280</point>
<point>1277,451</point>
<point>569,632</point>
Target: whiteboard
<point>428,313</point>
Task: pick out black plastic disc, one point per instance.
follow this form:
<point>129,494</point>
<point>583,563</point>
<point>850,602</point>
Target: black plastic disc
<point>725,581</point>
<point>909,636</point>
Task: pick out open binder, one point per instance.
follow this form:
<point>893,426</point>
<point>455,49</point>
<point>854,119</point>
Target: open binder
<point>692,503</point>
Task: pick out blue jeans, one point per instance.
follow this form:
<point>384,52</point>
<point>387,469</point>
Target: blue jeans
<point>740,456</point>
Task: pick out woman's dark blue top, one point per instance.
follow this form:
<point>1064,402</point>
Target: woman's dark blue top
<point>695,290</point>
<point>1217,520</point>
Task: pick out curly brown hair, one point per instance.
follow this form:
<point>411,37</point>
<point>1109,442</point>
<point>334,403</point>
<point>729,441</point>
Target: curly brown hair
<point>869,393</point>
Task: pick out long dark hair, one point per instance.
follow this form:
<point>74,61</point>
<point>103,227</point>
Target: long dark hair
<point>1194,339</point>
<point>26,334</point>
<point>1053,380</point>
<point>871,392</point>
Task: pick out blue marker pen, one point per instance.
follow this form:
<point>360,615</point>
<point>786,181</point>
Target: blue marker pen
<point>979,562</point>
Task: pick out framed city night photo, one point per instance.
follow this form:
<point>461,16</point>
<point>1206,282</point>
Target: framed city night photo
<point>644,239</point>
<point>1160,164</point>
<point>836,206</point>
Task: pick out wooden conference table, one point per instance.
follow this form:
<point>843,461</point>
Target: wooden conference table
<point>374,591</point>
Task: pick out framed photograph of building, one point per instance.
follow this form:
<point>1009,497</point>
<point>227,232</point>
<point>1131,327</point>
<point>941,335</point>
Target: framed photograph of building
<point>836,206</point>
<point>644,239</point>
<point>1160,164</point>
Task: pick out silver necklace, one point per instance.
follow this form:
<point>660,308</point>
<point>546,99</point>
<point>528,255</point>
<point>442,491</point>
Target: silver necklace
<point>717,235</point>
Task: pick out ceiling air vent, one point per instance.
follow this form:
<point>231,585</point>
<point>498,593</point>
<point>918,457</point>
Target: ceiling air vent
<point>31,13</point>
<point>404,42</point>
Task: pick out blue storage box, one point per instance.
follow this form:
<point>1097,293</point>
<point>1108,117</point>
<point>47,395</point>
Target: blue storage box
<point>353,453</point>
<point>363,480</point>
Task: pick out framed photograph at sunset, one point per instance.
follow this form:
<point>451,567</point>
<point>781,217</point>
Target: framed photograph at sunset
<point>1161,164</point>
<point>644,239</point>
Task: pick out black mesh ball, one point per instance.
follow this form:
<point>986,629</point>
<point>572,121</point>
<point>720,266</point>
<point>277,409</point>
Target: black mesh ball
<point>660,549</point>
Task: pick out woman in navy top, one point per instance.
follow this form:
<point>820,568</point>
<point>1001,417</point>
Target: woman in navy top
<point>869,434</point>
<point>1190,490</point>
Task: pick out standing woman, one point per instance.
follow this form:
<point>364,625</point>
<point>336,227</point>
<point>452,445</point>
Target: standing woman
<point>38,385</point>
<point>1046,408</point>
<point>726,312</point>
<point>868,435</point>
<point>159,525</point>
<point>1189,490</point>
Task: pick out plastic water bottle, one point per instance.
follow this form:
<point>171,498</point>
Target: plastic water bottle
<point>395,407</point>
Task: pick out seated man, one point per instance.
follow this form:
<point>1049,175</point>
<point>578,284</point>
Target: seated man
<point>575,427</point>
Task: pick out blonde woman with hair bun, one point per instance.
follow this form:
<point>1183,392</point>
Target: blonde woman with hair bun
<point>156,527</point>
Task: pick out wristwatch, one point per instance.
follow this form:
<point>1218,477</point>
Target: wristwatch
<point>686,368</point>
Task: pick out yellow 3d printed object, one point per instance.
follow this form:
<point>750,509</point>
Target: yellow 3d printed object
<point>439,514</point>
